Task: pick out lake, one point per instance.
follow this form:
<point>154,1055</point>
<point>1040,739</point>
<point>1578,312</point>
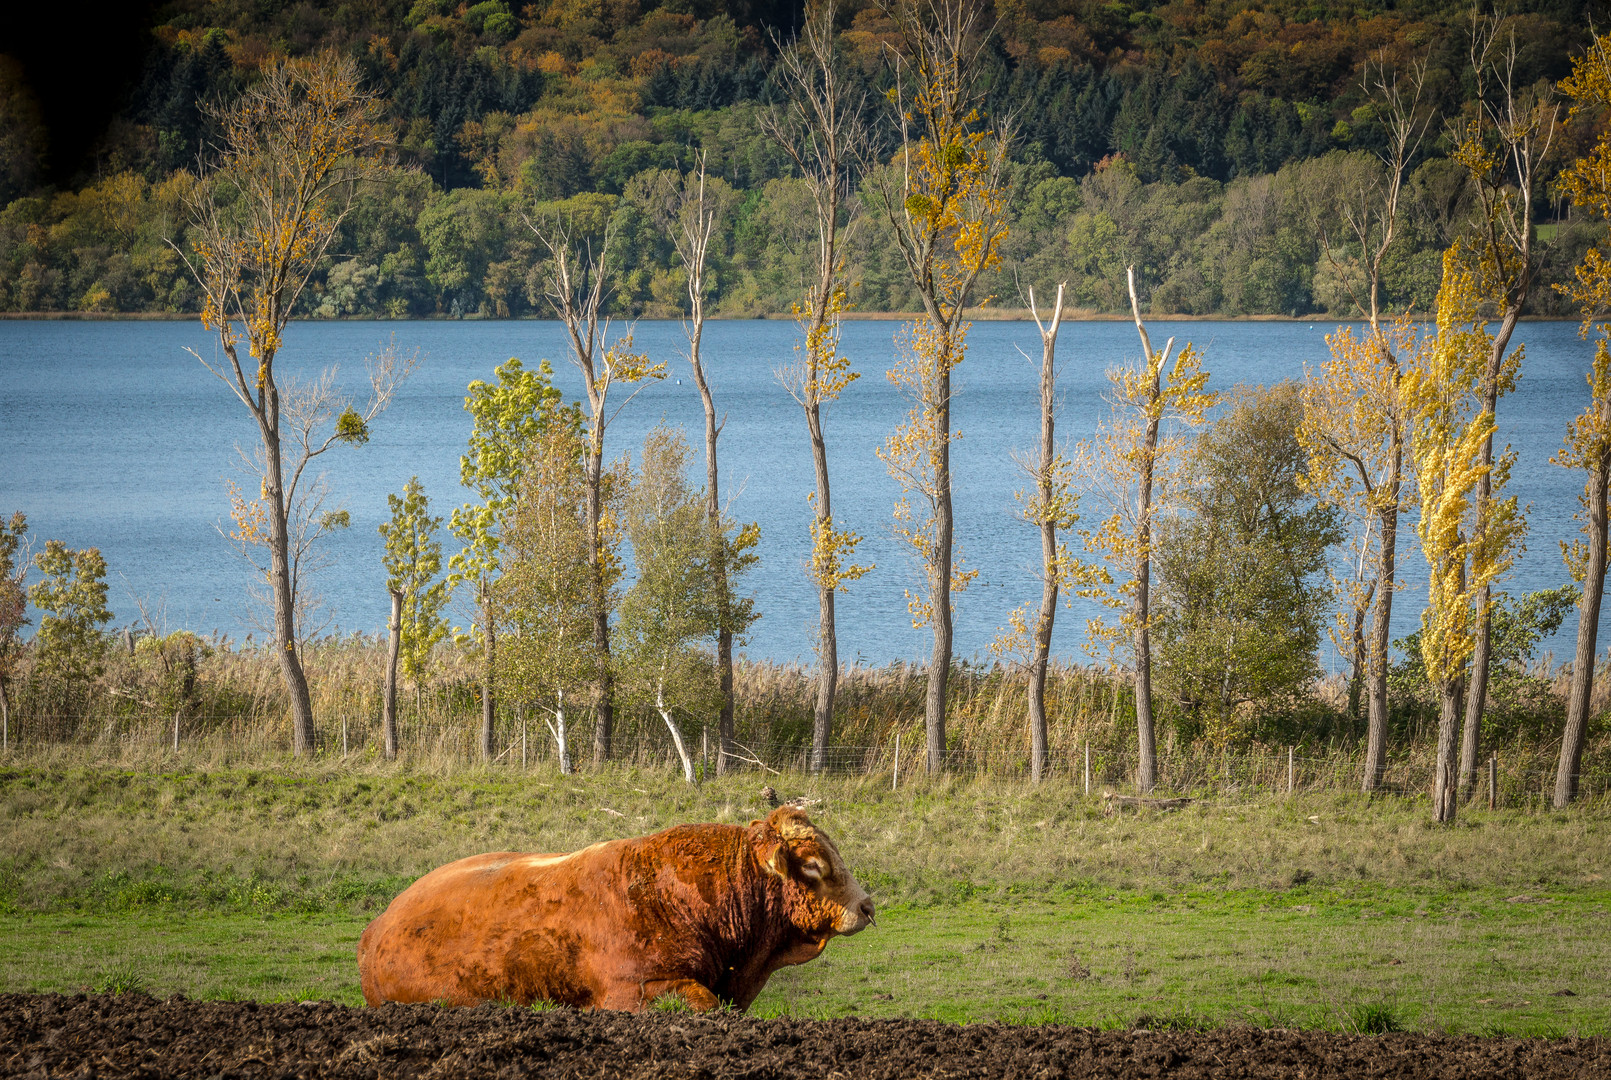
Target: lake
<point>112,436</point>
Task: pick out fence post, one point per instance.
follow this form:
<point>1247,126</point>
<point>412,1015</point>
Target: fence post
<point>522,739</point>
<point>343,736</point>
<point>1087,768</point>
<point>1289,770</point>
<point>895,777</point>
<point>704,752</point>
<point>1493,781</point>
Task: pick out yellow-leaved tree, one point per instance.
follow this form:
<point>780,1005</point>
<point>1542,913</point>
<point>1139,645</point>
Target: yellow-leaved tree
<point>1448,425</point>
<point>1353,416</point>
<point>1127,466</point>
<point>290,152</point>
<point>1051,505</point>
<point>944,197</point>
<point>1502,140</point>
<point>1587,182</point>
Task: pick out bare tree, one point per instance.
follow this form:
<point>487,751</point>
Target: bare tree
<point>576,285</point>
<point>688,208</point>
<point>1051,506</point>
<point>1503,145</point>
<point>822,127</point>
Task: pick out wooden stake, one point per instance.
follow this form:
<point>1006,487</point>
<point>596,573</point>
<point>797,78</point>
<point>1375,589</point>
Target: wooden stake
<point>1087,767</point>
<point>704,752</point>
<point>1493,781</point>
<point>895,777</point>
<point>343,736</point>
<point>522,740</point>
<point>1289,770</point>
<point>176,731</point>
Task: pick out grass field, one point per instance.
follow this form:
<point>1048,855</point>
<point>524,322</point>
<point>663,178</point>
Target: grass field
<point>998,901</point>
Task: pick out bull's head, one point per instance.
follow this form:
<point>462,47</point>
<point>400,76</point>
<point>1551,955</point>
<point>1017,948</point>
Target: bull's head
<point>793,849</point>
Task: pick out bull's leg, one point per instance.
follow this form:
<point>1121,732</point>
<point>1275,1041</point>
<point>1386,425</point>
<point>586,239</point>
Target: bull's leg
<point>694,993</point>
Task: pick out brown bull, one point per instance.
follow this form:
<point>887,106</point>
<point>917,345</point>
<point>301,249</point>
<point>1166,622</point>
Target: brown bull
<point>705,912</point>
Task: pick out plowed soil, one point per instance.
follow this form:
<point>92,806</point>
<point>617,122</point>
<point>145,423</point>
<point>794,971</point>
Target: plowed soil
<point>131,1035</point>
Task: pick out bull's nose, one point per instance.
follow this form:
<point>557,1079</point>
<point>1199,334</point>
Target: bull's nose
<point>865,910</point>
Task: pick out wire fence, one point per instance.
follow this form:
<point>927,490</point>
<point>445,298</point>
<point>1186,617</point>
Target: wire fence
<point>1515,776</point>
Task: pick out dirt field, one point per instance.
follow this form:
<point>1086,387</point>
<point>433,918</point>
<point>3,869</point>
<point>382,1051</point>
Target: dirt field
<point>132,1035</point>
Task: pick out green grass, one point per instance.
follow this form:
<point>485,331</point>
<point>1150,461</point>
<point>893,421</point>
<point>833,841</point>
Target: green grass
<point>1376,962</point>
<point>997,900</point>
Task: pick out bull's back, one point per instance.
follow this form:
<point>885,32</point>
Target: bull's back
<point>482,928</point>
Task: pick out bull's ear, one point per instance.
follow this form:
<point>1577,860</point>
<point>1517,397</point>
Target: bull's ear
<point>770,849</point>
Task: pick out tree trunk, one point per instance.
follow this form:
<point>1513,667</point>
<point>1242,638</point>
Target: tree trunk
<point>713,510</point>
<point>1445,789</point>
<point>676,735</point>
<point>561,742</point>
<point>1038,755</point>
<point>604,706</point>
<point>280,585</point>
<point>1376,733</point>
<point>388,719</point>
<point>489,633</point>
<point>1588,625</point>
<point>827,631</point>
<point>1146,741</point>
<point>1356,681</point>
<point>1477,695</point>
<point>940,580</point>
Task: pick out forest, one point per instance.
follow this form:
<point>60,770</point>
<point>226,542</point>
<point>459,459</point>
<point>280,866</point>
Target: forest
<point>1208,525</point>
<point>1201,143</point>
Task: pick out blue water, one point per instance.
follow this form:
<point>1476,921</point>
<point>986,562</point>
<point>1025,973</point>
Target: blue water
<point>112,436</point>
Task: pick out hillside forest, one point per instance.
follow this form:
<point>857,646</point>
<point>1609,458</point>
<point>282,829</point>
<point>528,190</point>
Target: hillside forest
<point>1226,535</point>
<point>1201,143</point>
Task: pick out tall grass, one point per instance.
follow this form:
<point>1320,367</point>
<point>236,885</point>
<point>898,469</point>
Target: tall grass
<point>221,702</point>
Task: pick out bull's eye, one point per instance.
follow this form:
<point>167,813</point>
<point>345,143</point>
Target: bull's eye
<point>813,869</point>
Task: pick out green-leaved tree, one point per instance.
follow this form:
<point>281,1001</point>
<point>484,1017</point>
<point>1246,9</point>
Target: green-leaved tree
<point>413,560</point>
<point>509,420</point>
<point>545,596</point>
<point>13,610</point>
<point>673,609</point>
<point>1242,598</point>
<point>72,599</point>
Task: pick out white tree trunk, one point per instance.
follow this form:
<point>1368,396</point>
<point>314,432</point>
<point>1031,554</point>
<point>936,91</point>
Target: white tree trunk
<point>671,725</point>
<point>556,727</point>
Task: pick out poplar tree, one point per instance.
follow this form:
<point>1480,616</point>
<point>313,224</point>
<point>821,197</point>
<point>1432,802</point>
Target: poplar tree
<point>1587,182</point>
<point>291,152</point>
<point>823,130</point>
<point>575,282</point>
<point>508,418</point>
<point>689,208</point>
<point>1354,425</point>
<point>1503,142</point>
<point>1448,424</point>
<point>1051,506</point>
<point>413,559</point>
<point>1127,465</point>
<point>945,199</point>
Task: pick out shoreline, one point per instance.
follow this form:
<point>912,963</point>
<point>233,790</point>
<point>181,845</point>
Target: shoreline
<point>974,315</point>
